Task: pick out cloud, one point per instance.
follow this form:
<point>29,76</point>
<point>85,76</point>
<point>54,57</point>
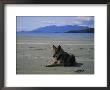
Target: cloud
<point>86,18</point>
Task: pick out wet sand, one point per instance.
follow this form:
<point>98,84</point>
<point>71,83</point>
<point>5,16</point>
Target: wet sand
<point>34,53</point>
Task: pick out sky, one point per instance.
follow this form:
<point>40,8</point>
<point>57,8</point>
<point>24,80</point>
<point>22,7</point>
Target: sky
<point>29,23</point>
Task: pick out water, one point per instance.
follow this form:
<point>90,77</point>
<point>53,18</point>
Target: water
<point>57,35</point>
<point>56,38</point>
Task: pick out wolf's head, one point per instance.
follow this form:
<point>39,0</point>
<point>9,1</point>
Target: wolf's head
<point>57,50</point>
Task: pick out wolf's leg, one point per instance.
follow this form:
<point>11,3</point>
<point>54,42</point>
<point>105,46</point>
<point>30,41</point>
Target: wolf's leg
<point>55,61</point>
<point>55,64</point>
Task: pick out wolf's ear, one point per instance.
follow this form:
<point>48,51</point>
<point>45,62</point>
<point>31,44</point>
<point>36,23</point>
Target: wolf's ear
<point>59,47</point>
<point>54,46</point>
<point>54,49</point>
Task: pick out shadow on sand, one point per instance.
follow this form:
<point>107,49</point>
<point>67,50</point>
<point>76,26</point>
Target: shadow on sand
<point>76,65</point>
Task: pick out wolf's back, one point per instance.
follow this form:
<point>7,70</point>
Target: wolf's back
<point>70,61</point>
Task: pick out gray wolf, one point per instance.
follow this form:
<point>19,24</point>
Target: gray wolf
<point>62,58</point>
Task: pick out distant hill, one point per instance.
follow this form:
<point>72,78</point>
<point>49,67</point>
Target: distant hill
<point>61,29</point>
<point>89,30</point>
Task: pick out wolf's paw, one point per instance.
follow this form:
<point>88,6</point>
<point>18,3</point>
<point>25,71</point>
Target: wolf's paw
<point>53,65</point>
<point>49,66</point>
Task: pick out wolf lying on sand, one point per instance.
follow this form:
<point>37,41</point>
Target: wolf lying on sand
<point>62,58</point>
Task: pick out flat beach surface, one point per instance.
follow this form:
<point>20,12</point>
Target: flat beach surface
<point>34,52</point>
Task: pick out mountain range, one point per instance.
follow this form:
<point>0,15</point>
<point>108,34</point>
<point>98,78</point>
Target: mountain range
<point>61,29</point>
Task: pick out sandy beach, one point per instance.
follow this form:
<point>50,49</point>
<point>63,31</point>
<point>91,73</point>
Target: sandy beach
<point>35,52</point>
